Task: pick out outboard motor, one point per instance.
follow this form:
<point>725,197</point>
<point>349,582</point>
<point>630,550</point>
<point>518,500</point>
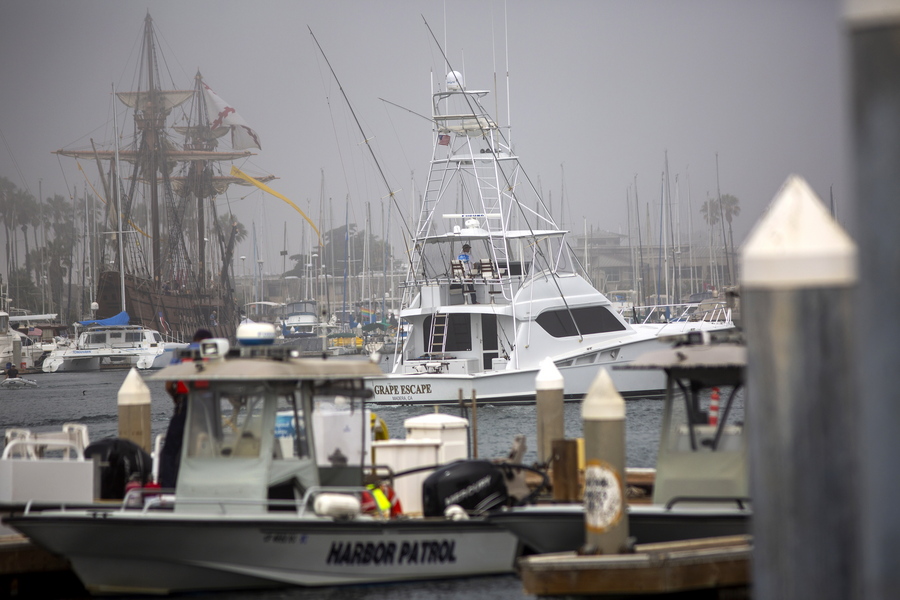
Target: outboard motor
<point>120,460</point>
<point>475,485</point>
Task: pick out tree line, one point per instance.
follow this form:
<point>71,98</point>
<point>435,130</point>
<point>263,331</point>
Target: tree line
<point>40,260</point>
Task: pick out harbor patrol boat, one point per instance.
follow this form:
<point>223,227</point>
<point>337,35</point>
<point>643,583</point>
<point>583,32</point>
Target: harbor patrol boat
<point>254,506</point>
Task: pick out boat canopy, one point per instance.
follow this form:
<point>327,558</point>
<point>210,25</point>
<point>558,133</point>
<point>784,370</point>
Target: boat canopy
<point>469,236</point>
<point>119,319</point>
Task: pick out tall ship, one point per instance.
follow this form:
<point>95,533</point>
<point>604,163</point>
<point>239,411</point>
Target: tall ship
<point>167,260</point>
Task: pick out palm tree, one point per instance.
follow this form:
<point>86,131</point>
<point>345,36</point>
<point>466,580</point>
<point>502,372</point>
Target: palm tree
<point>28,214</point>
<point>7,191</point>
<point>731,207</point>
<point>710,212</point>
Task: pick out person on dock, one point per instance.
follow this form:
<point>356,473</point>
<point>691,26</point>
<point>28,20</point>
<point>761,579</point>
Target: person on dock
<point>170,456</point>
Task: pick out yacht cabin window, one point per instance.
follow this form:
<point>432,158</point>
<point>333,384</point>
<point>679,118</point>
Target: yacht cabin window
<point>590,319</point>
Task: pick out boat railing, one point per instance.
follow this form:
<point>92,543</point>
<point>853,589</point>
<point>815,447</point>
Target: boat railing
<point>679,313</point>
<point>488,286</point>
<point>155,498</point>
<point>34,448</point>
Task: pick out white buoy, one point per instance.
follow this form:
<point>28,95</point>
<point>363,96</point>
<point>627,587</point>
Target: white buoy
<point>134,410</point>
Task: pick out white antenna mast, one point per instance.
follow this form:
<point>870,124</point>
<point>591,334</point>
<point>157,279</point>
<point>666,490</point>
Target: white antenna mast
<point>508,113</point>
<point>494,60</point>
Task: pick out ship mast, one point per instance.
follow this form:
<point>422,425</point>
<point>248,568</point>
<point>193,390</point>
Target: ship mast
<point>152,119</point>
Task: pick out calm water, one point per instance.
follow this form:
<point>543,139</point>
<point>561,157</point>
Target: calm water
<point>90,398</point>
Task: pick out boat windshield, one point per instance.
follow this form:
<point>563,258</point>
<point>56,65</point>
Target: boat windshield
<point>229,424</point>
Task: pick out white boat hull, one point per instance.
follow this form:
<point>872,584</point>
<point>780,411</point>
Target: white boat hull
<point>166,553</point>
<point>15,383</point>
<point>514,386</point>
<point>76,360</point>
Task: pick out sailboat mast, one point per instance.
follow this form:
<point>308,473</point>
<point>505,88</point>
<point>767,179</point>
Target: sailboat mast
<point>637,212</point>
<point>119,207</point>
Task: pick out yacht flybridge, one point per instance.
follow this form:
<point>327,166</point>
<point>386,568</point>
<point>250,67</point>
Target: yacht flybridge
<point>483,319</point>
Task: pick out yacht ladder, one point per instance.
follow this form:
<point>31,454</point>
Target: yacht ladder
<point>430,200</point>
<point>490,176</point>
<point>438,335</point>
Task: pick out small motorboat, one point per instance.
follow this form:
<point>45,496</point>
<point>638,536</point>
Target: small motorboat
<point>254,506</point>
<point>17,383</point>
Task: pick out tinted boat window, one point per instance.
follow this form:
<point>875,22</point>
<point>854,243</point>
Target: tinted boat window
<point>590,319</point>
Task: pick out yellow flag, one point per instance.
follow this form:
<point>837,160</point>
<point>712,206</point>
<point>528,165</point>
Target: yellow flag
<point>235,172</point>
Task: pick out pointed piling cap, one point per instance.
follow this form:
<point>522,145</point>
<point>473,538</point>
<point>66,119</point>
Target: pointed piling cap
<point>549,377</point>
<point>134,390</point>
<point>603,402</point>
<point>797,244</point>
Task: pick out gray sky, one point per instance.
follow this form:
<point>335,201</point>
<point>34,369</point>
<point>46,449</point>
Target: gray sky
<point>599,91</point>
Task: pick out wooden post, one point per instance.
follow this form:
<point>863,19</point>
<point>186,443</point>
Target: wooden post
<point>549,388</point>
<point>874,30</point>
<point>799,271</point>
<point>134,410</point>
<point>474,424</point>
<point>17,354</point>
<point>605,518</point>
<point>565,470</point>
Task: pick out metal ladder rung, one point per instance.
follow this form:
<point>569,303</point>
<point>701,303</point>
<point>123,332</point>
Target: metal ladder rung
<point>438,332</point>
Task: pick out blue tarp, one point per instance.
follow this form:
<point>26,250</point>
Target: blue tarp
<point>119,319</point>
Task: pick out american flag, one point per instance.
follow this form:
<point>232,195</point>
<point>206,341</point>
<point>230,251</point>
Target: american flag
<point>444,139</point>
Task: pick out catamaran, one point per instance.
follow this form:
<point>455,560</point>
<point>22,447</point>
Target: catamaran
<point>483,320</point>
<point>109,342</point>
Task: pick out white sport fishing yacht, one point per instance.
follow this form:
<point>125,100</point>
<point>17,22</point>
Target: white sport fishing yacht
<point>483,320</point>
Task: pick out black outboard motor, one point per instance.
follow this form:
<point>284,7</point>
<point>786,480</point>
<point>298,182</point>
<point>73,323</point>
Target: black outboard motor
<point>475,485</point>
<point>120,460</point>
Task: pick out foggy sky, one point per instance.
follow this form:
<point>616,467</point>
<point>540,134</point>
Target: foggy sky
<point>599,92</point>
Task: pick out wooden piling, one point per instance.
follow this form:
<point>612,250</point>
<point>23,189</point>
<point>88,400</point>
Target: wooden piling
<point>874,45</point>
<point>134,410</point>
<point>799,272</point>
<point>549,388</point>
<point>564,457</point>
<point>603,413</point>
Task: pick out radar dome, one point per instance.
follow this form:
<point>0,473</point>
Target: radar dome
<point>454,81</point>
<point>256,334</point>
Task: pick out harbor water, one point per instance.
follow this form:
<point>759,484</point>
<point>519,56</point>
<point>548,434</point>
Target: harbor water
<point>91,399</point>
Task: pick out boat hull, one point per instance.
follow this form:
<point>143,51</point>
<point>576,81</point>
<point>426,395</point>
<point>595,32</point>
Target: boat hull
<point>560,528</point>
<point>161,554</point>
<point>514,386</point>
<point>517,386</point>
<point>177,315</point>
<point>16,383</point>
<point>75,360</point>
